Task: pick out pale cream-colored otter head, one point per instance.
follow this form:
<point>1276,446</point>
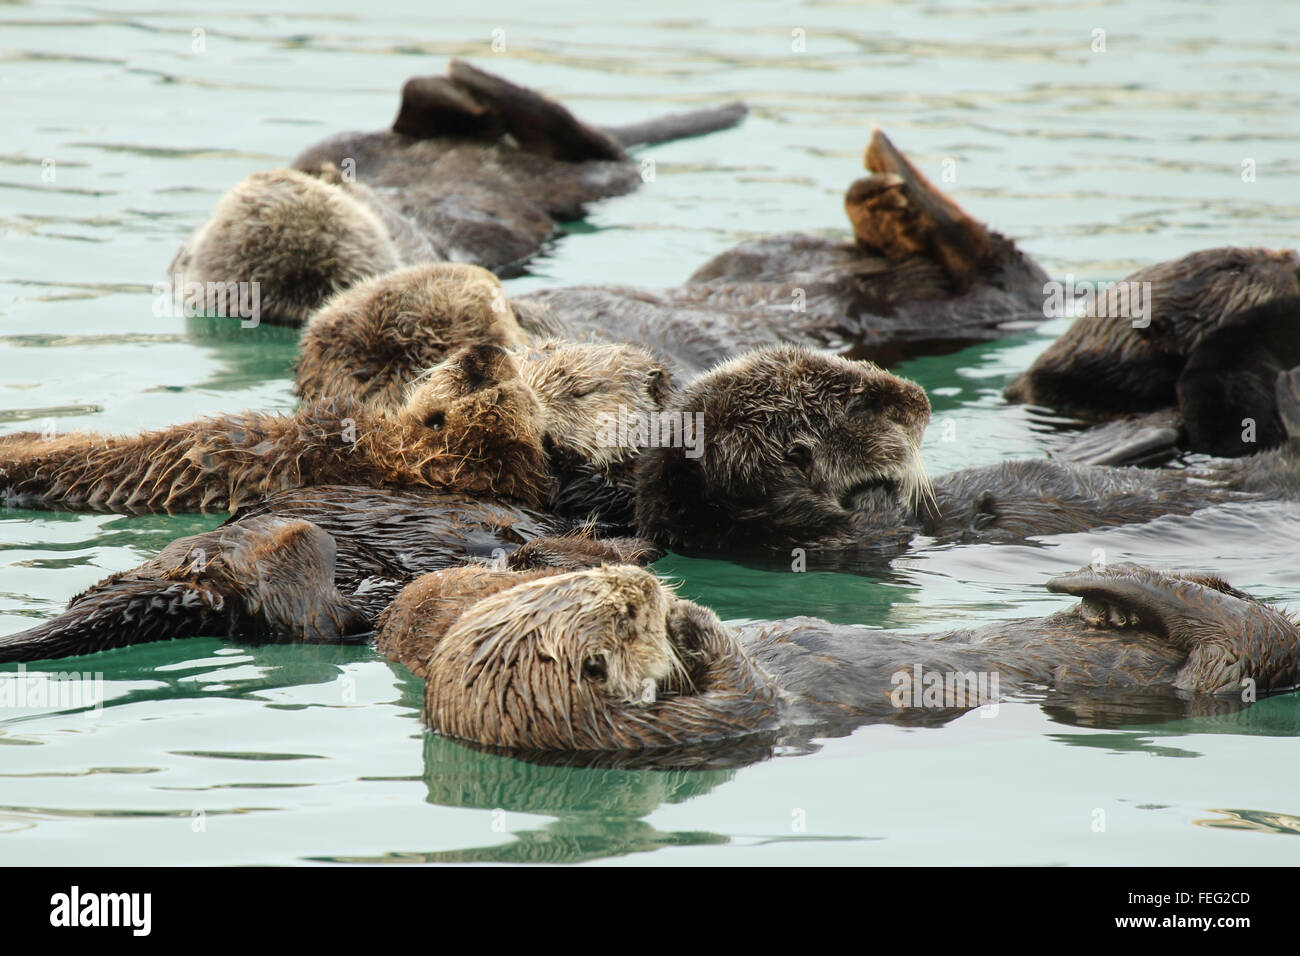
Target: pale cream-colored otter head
<point>605,659</point>
<point>300,239</point>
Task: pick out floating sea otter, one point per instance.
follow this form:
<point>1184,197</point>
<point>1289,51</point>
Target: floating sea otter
<point>1185,353</point>
<point>279,580</point>
<point>609,660</point>
<point>482,439</point>
<point>475,169</point>
<point>921,275</point>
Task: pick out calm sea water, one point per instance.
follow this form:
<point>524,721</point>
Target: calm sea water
<point>1096,161</point>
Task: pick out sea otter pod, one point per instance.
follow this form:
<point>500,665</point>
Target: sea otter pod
<point>266,579</point>
<point>1232,640</point>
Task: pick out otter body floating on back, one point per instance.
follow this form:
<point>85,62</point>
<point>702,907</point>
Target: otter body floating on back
<point>475,169</point>
<point>608,660</point>
<point>1186,354</point>
<point>920,276</point>
<point>484,438</point>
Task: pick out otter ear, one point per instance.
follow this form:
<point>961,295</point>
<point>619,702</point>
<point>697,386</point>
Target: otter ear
<point>433,106</point>
<point>538,124</point>
<point>899,212</point>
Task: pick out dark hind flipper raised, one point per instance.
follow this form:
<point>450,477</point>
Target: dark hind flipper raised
<point>1228,388</point>
<point>663,129</point>
<point>266,579</point>
<point>433,106</point>
<point>898,212</point>
<point>1287,394</point>
<point>538,124</point>
<point>1233,642</point>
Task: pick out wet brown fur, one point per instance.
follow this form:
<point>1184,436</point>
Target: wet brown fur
<point>484,440</point>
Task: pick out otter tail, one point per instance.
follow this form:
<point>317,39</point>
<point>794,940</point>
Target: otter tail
<point>118,614</point>
<point>267,579</point>
<point>664,129</point>
<point>1233,642</point>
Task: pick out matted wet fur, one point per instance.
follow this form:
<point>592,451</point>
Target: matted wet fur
<point>1218,326</point>
<point>484,440</point>
<point>372,341</point>
<point>299,239</point>
<point>609,660</point>
<point>920,275</point>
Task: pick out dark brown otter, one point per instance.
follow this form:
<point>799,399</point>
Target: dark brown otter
<point>269,580</point>
<point>273,579</point>
<point>484,438</point>
<point>609,660</point>
<point>1199,341</point>
<point>485,168</point>
<point>802,450</point>
<point>920,275</point>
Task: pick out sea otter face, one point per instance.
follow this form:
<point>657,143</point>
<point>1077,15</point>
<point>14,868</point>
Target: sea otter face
<point>586,388</point>
<point>541,665</point>
<point>788,441</point>
<point>473,401</point>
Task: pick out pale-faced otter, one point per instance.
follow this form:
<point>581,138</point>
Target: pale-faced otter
<point>920,275</point>
<point>273,579</point>
<point>1215,328</point>
<point>299,238</point>
<point>484,438</point>
<point>475,170</point>
<point>610,660</point>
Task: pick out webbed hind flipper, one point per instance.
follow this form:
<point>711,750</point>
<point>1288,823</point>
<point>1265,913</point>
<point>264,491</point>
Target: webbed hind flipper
<point>434,106</point>
<point>898,212</point>
<point>1229,637</point>
<point>1146,440</point>
<point>538,124</point>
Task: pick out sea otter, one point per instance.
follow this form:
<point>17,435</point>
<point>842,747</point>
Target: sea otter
<point>377,340</point>
<point>483,438</point>
<point>475,170</point>
<point>920,276</point>
<point>1186,353</point>
<point>610,660</point>
<point>271,579</point>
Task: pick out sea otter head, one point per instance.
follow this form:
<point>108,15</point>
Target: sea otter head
<point>585,387</point>
<point>783,445</point>
<point>1127,351</point>
<point>605,659</point>
<point>471,424</point>
<point>299,239</point>
<point>370,340</point>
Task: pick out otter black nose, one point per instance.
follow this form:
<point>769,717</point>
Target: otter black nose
<point>483,365</point>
